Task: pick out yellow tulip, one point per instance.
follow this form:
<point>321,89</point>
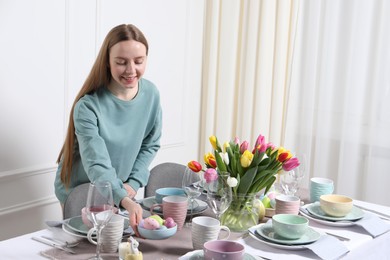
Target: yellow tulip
<point>225,146</point>
<point>213,141</point>
<point>246,159</point>
<point>209,159</point>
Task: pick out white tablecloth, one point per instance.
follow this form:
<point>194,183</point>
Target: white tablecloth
<point>361,245</point>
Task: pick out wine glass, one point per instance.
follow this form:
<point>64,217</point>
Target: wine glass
<point>219,194</point>
<point>290,180</point>
<point>100,208</point>
<point>190,184</point>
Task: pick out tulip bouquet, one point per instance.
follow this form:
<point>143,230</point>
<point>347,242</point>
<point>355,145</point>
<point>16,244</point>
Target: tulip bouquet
<point>251,169</point>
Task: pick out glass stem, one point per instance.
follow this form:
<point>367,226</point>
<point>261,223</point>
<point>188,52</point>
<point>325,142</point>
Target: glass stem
<point>192,206</point>
<point>99,243</point>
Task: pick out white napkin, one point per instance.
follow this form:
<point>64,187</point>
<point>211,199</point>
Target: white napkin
<point>374,225</point>
<point>328,247</point>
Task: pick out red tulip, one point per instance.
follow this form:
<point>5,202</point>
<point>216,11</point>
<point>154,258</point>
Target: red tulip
<point>194,166</point>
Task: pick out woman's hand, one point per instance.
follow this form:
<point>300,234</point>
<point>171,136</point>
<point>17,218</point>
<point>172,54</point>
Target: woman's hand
<point>135,213</point>
<point>130,191</point>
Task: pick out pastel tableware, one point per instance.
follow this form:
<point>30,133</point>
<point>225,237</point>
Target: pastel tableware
<point>320,186</point>
<point>336,205</point>
<point>174,207</point>
<point>267,232</point>
<point>111,234</point>
<point>85,219</point>
<point>168,191</point>
<point>205,229</point>
<point>287,204</point>
<point>157,234</point>
<point>223,250</point>
<point>290,226</point>
<point>315,210</point>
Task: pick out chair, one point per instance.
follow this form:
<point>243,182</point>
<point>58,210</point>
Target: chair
<point>163,175</point>
<point>76,200</point>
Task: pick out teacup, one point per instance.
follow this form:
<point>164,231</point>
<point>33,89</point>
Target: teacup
<point>223,250</point>
<point>320,186</point>
<point>111,234</point>
<point>287,204</point>
<point>174,207</point>
<point>204,229</point>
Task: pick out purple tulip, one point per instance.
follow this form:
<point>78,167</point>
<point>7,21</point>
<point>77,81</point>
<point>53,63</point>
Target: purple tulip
<point>244,146</point>
<point>291,164</point>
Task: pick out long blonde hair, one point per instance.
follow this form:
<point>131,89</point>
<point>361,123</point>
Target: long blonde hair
<point>99,76</point>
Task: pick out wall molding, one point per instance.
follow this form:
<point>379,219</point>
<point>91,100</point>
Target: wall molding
<point>27,172</point>
<point>45,201</point>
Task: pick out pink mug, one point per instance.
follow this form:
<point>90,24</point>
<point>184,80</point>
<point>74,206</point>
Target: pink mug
<point>287,204</point>
<point>174,207</point>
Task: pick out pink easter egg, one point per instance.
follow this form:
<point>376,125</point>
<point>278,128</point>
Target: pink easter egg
<point>169,222</point>
<point>151,223</point>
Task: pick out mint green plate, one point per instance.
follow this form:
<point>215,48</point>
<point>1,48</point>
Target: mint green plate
<point>266,231</point>
<point>315,209</point>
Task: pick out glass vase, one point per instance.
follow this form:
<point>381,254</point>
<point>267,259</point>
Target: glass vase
<point>242,213</point>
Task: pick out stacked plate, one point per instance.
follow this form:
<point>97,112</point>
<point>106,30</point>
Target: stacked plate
<point>314,212</point>
<point>199,206</point>
<point>266,234</point>
<point>75,226</point>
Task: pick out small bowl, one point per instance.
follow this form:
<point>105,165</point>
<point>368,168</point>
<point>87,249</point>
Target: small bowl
<point>223,249</point>
<point>290,226</point>
<point>157,234</point>
<point>336,205</point>
<point>169,191</point>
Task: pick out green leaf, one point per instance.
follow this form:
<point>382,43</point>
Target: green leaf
<point>219,149</point>
<point>247,180</point>
<point>270,182</point>
<point>220,164</point>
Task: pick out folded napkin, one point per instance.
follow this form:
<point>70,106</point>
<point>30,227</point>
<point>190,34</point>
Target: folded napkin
<point>374,225</point>
<point>326,247</point>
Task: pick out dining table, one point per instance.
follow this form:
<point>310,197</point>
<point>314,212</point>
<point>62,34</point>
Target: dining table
<point>359,243</point>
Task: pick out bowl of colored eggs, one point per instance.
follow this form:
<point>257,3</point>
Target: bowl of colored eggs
<point>157,228</point>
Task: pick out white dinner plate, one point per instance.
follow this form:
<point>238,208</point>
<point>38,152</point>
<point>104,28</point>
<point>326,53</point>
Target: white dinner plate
<point>254,235</point>
<point>199,206</point>
<point>267,232</point>
<point>307,214</point>
<point>198,255</point>
<point>315,209</point>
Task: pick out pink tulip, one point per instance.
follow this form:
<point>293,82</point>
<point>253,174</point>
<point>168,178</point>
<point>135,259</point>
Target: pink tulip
<point>210,175</point>
<point>291,164</point>
<point>236,140</point>
<point>244,146</point>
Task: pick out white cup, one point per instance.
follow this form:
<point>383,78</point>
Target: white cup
<point>320,186</point>
<point>111,234</point>
<point>206,229</point>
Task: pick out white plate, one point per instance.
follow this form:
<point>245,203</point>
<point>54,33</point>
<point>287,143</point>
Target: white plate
<point>315,209</point>
<point>198,255</point>
<point>275,245</point>
<point>267,232</point>
<point>199,206</point>
<point>305,213</point>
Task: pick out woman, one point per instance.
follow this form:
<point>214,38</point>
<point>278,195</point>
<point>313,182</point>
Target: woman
<point>115,123</point>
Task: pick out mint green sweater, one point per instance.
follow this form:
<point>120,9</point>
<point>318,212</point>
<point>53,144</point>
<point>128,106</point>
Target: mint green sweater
<point>116,140</point>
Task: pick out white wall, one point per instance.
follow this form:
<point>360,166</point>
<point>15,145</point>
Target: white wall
<point>47,49</point>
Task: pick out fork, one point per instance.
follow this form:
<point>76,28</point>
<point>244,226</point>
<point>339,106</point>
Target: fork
<point>63,243</point>
<point>341,238</point>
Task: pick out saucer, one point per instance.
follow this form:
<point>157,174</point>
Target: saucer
<point>304,212</point>
<point>199,206</point>
<point>266,231</point>
<point>315,210</point>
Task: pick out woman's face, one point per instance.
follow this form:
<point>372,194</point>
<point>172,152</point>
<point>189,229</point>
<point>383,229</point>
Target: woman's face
<point>127,64</point>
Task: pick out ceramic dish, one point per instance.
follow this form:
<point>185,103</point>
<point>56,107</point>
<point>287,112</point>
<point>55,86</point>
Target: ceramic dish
<point>267,232</point>
<point>303,211</point>
<point>254,235</point>
<point>72,232</point>
<point>199,206</point>
<point>198,255</point>
<point>77,225</point>
<point>315,210</point>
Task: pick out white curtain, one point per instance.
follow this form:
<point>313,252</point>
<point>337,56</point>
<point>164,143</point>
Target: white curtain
<point>338,108</point>
<point>312,76</point>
